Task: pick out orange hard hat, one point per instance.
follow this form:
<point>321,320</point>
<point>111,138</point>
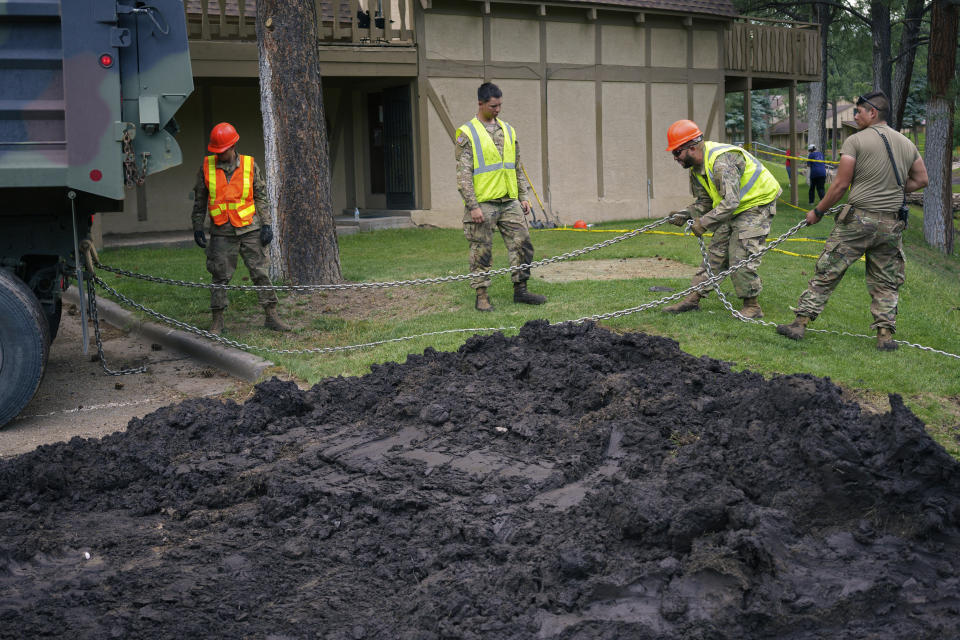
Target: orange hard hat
<point>680,132</point>
<point>222,137</point>
<point>579,224</point>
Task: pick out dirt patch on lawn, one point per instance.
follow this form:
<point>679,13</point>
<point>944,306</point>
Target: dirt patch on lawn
<point>567,483</point>
<point>378,304</point>
<point>617,269</point>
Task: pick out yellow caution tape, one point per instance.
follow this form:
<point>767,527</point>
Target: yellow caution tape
<point>781,155</point>
<point>680,233</point>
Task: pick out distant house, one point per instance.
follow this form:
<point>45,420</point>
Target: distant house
<point>780,131</point>
<point>590,88</point>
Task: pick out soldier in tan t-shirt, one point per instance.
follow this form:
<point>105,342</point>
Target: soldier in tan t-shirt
<point>871,225</point>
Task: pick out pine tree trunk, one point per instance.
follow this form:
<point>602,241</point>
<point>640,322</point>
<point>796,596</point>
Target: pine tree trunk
<point>297,164</point>
<point>937,200</point>
<point>880,25</point>
<point>817,109</point>
<point>904,70</point>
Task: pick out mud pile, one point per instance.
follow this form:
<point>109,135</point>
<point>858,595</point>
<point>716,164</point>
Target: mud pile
<point>566,483</point>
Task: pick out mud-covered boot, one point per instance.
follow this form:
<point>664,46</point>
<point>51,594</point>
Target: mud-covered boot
<point>690,303</point>
<point>751,308</point>
<point>521,295</point>
<point>885,340</point>
<point>796,329</point>
<point>272,319</point>
<point>216,326</point>
<point>483,300</point>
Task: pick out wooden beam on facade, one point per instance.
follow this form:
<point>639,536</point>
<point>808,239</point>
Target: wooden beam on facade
<point>542,10</point>
<point>441,110</point>
<point>639,18</point>
<point>486,8</point>
<point>592,14</point>
<point>598,100</point>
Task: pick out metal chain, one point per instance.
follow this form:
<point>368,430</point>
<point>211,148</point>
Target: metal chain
<point>706,284</point>
<point>739,316</point>
<point>712,281</point>
<point>397,283</point>
<point>250,347</point>
<point>131,176</point>
<point>92,297</point>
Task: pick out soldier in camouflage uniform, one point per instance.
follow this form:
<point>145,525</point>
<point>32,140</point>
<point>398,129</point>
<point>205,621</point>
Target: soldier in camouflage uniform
<point>495,195</point>
<point>237,212</point>
<point>870,224</point>
<point>736,199</point>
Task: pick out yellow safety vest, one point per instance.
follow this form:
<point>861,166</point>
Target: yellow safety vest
<point>757,185</point>
<point>230,200</point>
<point>493,176</point>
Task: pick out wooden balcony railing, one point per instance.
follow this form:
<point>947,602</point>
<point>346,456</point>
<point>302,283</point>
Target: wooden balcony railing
<point>338,21</point>
<point>764,49</point>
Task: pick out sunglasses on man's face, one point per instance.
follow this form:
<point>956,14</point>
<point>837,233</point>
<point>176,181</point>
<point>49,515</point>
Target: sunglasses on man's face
<point>676,152</point>
<point>865,101</point>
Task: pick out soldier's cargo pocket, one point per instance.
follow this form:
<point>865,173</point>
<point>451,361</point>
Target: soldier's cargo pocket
<point>474,232</point>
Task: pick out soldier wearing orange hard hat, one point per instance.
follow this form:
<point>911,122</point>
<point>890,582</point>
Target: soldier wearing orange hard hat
<point>735,198</point>
<point>231,193</point>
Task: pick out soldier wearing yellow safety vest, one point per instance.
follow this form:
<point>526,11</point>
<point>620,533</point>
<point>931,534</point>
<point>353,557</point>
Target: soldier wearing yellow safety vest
<point>735,199</point>
<point>494,195</point>
<point>230,192</point>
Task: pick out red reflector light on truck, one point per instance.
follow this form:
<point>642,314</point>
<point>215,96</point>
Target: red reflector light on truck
<point>106,60</point>
<point>96,175</point>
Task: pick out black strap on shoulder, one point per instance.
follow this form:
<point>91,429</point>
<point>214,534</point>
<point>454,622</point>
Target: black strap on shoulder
<point>904,212</point>
<point>893,164</point>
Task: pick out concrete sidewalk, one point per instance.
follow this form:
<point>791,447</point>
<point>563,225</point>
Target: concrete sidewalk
<point>240,364</point>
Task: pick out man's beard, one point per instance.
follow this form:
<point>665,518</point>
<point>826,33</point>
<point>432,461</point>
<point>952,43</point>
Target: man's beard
<point>688,162</point>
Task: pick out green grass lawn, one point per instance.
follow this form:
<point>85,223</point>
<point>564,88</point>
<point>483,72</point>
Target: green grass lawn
<point>929,309</point>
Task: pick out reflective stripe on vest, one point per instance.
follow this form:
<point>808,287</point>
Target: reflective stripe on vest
<point>230,200</point>
<point>757,185</point>
<point>493,176</point>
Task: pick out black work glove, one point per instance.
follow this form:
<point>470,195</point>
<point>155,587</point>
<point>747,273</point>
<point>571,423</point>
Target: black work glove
<point>266,235</point>
<point>697,228</point>
<point>200,239</point>
<point>679,218</point>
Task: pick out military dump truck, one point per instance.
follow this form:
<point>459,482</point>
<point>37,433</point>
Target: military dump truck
<point>88,91</point>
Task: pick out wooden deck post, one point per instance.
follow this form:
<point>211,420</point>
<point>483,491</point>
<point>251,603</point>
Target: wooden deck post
<point>794,165</point>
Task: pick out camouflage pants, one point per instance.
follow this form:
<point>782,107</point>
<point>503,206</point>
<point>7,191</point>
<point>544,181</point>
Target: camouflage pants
<point>879,238</point>
<point>742,235</point>
<point>222,262</point>
<point>507,216</point>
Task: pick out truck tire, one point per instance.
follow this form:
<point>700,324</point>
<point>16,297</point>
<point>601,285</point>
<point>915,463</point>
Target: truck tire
<point>24,345</point>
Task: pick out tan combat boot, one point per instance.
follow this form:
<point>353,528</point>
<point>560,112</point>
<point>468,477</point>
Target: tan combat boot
<point>272,319</point>
<point>216,327</point>
<point>751,308</point>
<point>885,340</point>
<point>690,303</point>
<point>796,329</point>
<point>521,295</point>
<point>483,300</point>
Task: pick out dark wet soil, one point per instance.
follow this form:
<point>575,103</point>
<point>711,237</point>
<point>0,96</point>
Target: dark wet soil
<point>568,483</point>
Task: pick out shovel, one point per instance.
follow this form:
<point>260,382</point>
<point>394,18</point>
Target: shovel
<point>536,224</point>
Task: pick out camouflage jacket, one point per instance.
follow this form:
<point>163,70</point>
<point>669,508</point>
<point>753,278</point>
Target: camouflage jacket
<point>728,169</point>
<point>464,154</point>
<point>201,195</point>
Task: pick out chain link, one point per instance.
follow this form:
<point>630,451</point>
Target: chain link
<point>739,316</point>
<point>92,298</point>
<point>712,282</point>
<point>396,283</point>
<point>131,176</point>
